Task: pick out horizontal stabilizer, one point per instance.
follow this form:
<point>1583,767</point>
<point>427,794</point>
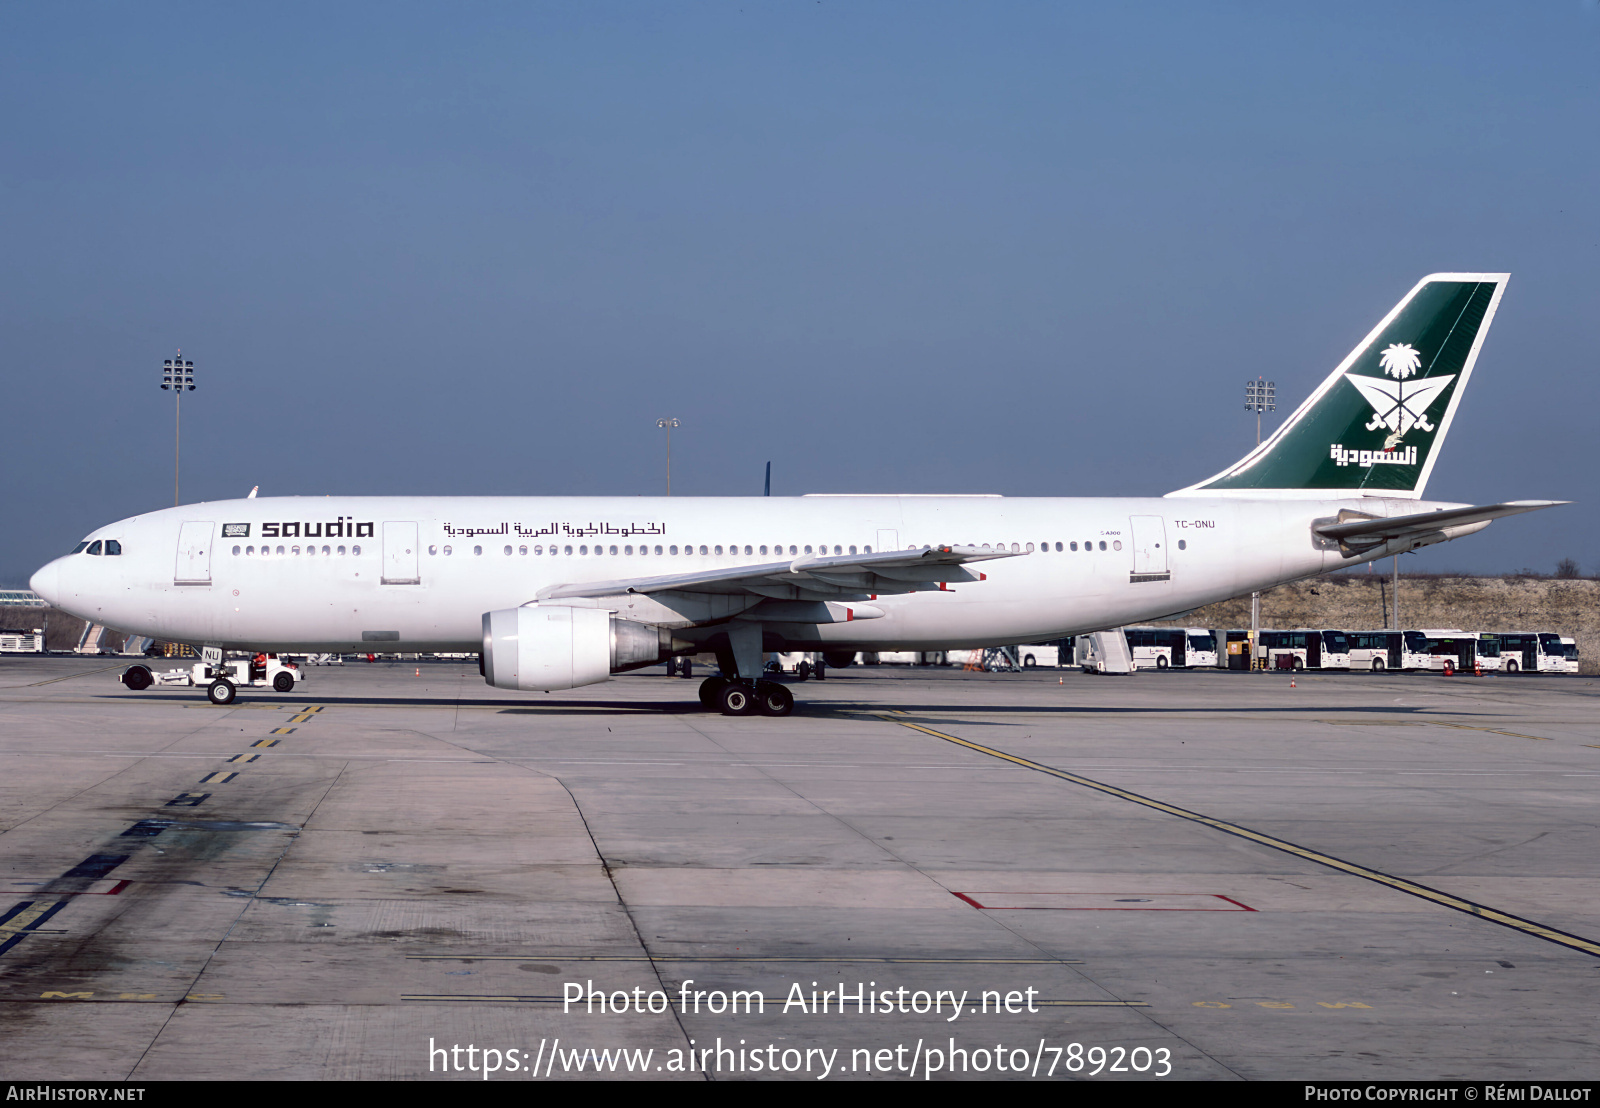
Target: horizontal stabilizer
<point>1373,532</point>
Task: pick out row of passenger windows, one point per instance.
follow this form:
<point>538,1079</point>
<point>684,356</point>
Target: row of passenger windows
<point>114,547</point>
<point>582,550</point>
<point>628,551</point>
<point>293,551</point>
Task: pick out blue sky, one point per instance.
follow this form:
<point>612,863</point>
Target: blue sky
<point>1024,248</point>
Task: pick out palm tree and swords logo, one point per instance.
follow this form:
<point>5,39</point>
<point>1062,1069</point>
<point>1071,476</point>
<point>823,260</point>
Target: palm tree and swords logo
<point>1397,404</point>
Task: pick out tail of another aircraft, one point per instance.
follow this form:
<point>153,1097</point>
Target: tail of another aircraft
<point>1374,427</point>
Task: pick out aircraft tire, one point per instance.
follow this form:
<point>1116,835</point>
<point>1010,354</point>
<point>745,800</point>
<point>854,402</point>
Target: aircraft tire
<point>221,692</point>
<point>772,699</point>
<point>735,698</point>
<point>709,688</point>
<point>137,678</point>
<point>283,682</point>
<point>803,671</point>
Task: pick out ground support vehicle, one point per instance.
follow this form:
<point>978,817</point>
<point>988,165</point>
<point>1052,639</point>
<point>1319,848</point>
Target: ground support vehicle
<point>1537,652</point>
<point>1172,647</point>
<point>222,680</point>
<point>1303,649</point>
<point>1451,652</point>
<point>1380,650</point>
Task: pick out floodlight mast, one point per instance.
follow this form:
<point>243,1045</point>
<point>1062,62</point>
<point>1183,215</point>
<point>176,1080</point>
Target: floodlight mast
<point>177,374</point>
<point>1260,396</point>
<point>669,423</point>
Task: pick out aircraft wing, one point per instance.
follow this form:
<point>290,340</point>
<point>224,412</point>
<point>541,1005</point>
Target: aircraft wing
<point>809,577</point>
<point>1361,532</point>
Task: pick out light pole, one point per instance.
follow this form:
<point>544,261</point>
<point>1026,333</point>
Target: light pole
<point>177,374</point>
<point>1259,396</point>
<point>669,423</point>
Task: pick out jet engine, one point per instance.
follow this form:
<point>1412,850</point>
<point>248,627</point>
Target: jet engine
<point>549,648</point>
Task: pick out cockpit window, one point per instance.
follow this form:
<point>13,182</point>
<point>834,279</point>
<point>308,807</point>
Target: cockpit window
<point>81,547</point>
<point>94,547</point>
<point>113,546</point>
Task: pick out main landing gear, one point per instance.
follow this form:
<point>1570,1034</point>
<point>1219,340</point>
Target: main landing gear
<point>745,698</point>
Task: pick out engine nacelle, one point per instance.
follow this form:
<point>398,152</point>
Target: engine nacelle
<point>546,648</point>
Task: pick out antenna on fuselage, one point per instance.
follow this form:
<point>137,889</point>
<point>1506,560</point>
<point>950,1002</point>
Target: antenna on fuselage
<point>767,489</point>
<point>253,490</point>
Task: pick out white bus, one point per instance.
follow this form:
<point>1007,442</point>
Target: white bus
<point>1383,650</point>
<point>1537,652</point>
<point>1171,647</point>
<point>1304,649</point>
<point>1489,652</point>
<point>1452,651</point>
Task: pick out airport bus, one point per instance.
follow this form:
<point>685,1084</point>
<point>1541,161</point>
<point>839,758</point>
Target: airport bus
<point>1171,647</point>
<point>1537,652</point>
<point>1381,650</point>
<point>1451,651</point>
<point>1304,649</point>
<point>1489,652</point>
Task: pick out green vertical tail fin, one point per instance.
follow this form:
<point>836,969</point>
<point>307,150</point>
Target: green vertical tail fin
<point>1375,425</point>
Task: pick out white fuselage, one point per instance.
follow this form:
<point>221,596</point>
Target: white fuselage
<point>1183,552</point>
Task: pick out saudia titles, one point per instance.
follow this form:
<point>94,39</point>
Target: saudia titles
<point>341,528</point>
<point>1397,406</point>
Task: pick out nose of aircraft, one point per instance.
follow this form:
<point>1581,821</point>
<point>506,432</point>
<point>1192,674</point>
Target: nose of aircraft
<point>46,581</point>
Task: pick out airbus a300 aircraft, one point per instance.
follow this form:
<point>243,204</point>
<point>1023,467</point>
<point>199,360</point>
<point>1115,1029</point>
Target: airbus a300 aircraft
<point>558,592</point>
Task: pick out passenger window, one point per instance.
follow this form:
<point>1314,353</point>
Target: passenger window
<point>747,550</point>
<point>1030,548</point>
<point>852,550</point>
<point>1102,544</point>
<point>249,550</point>
<point>763,550</point>
<point>508,552</point>
<point>478,550</point>
<point>355,551</point>
<point>326,551</point>
<point>522,551</point>
<point>627,550</point>
<point>280,551</point>
<point>115,547</point>
<point>719,550</point>
<point>1183,544</point>
<point>236,552</point>
<point>583,550</point>
<point>295,550</point>
<point>674,550</point>
<point>808,550</point>
<point>1058,547</point>
<point>564,549</point>
<point>310,551</point>
<point>1073,545</point>
<point>94,547</point>
<point>341,552</point>
<point>540,549</point>
<point>597,550</point>
<point>432,550</point>
<point>447,551</point>
<point>866,550</point>
<point>703,549</point>
<point>792,549</point>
